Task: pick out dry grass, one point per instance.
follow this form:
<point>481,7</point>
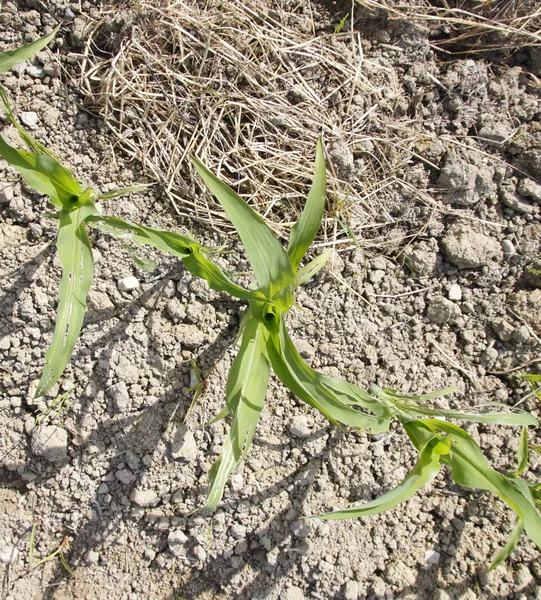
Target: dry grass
<point>471,26</point>
<point>249,95</point>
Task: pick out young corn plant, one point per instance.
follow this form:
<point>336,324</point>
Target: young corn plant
<point>265,342</point>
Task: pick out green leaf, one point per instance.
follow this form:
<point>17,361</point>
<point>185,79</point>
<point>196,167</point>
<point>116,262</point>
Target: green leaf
<point>10,58</point>
<point>426,468</point>
<point>304,231</point>
<point>522,452</point>
<point>308,271</point>
<point>246,388</point>
<point>504,553</point>
<point>502,418</point>
<point>268,258</point>
<point>312,387</point>
<point>177,245</point>
<point>132,189</point>
<point>75,256</point>
<point>46,175</point>
<point>469,467</point>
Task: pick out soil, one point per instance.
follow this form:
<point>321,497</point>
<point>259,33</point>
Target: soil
<point>113,477</point>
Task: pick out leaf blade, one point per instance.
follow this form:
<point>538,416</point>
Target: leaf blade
<point>267,257</point>
<point>304,231</point>
<point>10,58</point>
<point>246,389</point>
<point>75,256</point>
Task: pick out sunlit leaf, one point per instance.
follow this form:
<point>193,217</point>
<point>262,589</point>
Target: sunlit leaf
<point>308,384</point>
<point>304,231</point>
<point>268,258</point>
<point>522,452</point>
<point>306,273</point>
<point>504,553</point>
<point>426,468</point>
<point>10,58</point>
<point>75,256</point>
<point>246,388</point>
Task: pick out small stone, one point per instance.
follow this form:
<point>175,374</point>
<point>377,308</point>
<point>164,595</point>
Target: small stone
<point>440,310</point>
<point>36,72</point>
<point>508,248</point>
<point>300,426</point>
<point>455,292</point>
<point>467,249</point>
<point>92,557</point>
<point>30,119</point>
<point>176,540</point>
<point>5,343</point>
<point>376,276</point>
<point>292,593</point>
<point>175,310</point>
<point>530,189</point>
<point>103,488</point>
<point>420,259</point>
<point>183,444</point>
<point>6,194</point>
<point>99,300</point>
<point>8,554</point>
<point>352,590</point>
<point>124,476</point>
<point>50,442</point>
<point>237,531</point>
<point>119,394</point>
<point>503,329</point>
<point>511,200</point>
<point>301,528</point>
<point>432,557</point>
<point>305,349</point>
<point>399,574</point>
<point>69,14</point>
<point>128,284</point>
<point>522,334</point>
<point>144,498</point>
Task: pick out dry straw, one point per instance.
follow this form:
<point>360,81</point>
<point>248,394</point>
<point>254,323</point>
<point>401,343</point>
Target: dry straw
<point>250,95</point>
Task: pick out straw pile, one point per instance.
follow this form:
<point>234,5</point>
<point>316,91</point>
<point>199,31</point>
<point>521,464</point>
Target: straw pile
<point>249,95</point>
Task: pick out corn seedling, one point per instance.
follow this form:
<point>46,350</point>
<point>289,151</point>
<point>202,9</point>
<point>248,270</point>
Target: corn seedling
<point>59,552</point>
<point>265,343</point>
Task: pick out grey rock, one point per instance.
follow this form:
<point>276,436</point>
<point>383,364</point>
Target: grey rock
<point>50,442</point>
<point>455,292</point>
<point>468,249</point>
<point>69,14</point>
<point>103,488</point>
<point>293,592</point>
<point>508,248</point>
<point>183,444</point>
<point>464,183</point>
<point>144,498</point>
<point>503,329</point>
<point>440,310</point>
<point>120,396</point>
<point>5,342</point>
<point>175,310</point>
<point>125,476</point>
<point>511,200</point>
<point>237,531</point>
<point>176,540</point>
<point>8,554</point>
<point>530,189</point>
<point>36,72</point>
<point>522,334</point>
<point>30,119</point>
<point>305,349</point>
<point>420,259</point>
<point>128,284</point>
<point>300,426</point>
<point>6,194</point>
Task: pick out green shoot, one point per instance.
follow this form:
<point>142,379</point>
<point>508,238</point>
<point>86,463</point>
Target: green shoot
<point>10,58</point>
<point>60,552</point>
<point>54,408</point>
<point>339,26</point>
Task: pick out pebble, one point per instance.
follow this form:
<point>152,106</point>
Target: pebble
<point>5,342</point>
<point>508,248</point>
<point>92,557</point>
<point>36,72</point>
<point>455,292</point>
<point>468,249</point>
<point>69,14</point>
<point>30,119</point>
<point>8,554</point>
<point>183,444</point>
<point>119,394</point>
<point>128,284</point>
<point>292,593</point>
<point>176,541</point>
<point>6,195</point>
<point>124,476</point>
<point>440,310</point>
<point>50,442</point>
<point>300,426</point>
<point>144,498</point>
<point>432,557</point>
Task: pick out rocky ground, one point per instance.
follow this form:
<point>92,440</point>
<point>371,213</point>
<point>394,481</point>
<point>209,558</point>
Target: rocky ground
<point>110,475</point>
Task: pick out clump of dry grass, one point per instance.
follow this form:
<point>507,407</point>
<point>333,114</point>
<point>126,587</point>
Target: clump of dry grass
<point>249,95</point>
<point>471,26</point>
